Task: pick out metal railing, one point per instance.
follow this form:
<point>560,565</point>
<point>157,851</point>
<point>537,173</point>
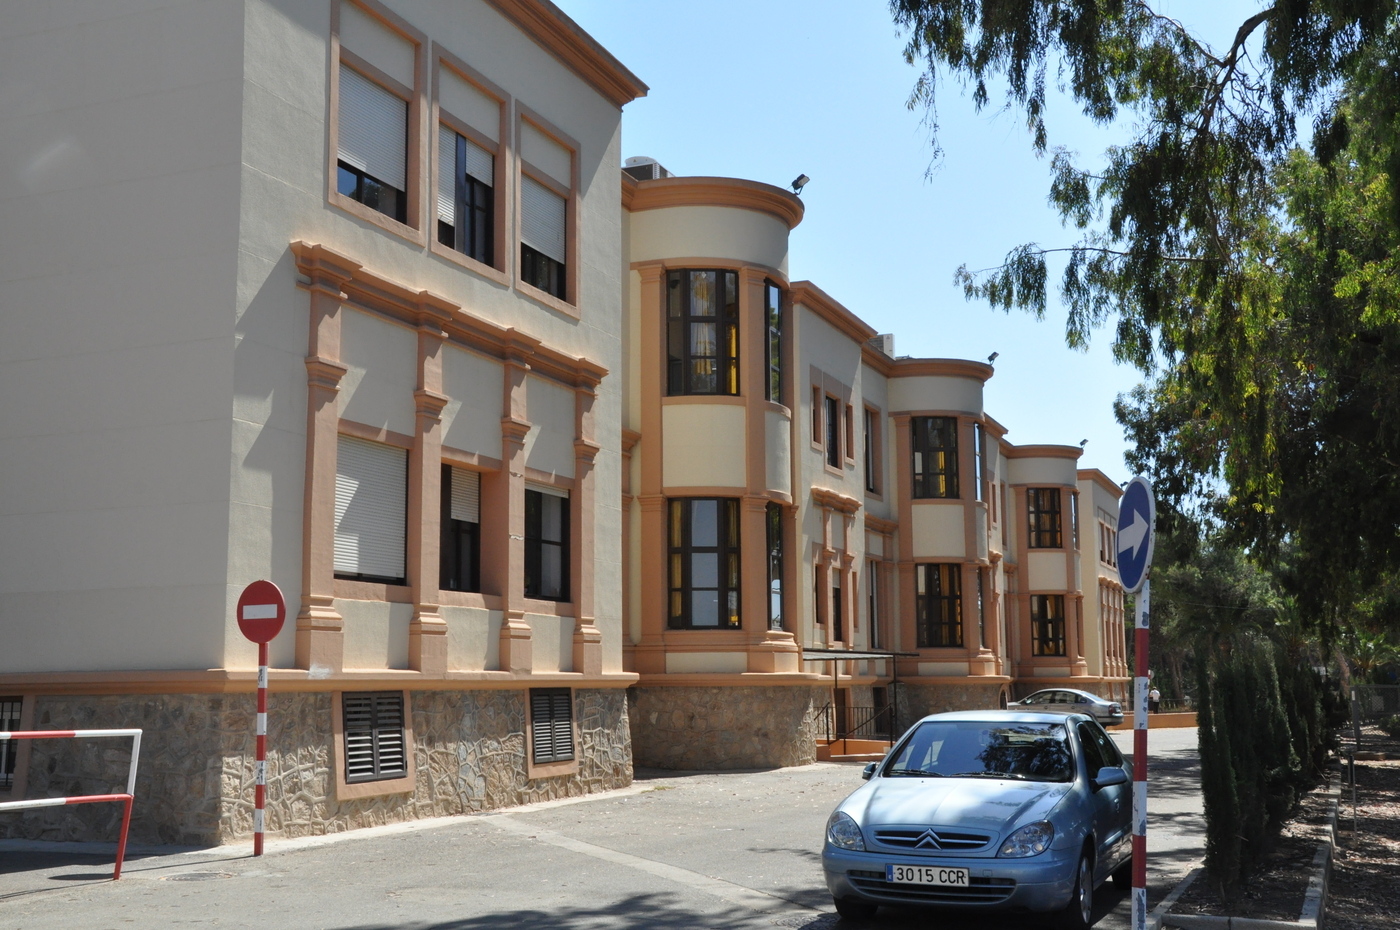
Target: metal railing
<point>847,722</point>
<point>1372,703</point>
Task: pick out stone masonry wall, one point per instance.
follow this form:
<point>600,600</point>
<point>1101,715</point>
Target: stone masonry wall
<point>195,779</point>
<point>915,701</point>
<point>714,729</point>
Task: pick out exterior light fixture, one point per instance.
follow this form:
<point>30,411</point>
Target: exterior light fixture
<point>800,182</point>
<point>992,359</point>
<point>1083,443</point>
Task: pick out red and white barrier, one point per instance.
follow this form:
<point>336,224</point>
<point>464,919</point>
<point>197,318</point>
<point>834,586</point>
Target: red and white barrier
<point>126,799</point>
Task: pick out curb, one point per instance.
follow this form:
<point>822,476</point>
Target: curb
<point>1314,902</point>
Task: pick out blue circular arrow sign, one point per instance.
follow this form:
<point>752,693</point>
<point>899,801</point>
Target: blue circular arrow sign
<point>1137,512</point>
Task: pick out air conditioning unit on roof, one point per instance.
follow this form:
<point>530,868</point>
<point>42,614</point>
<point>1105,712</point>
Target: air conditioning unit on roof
<point>645,168</point>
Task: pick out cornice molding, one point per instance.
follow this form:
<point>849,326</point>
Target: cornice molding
<point>715,192</point>
<point>874,524</point>
<point>1102,480</point>
<point>825,497</point>
<point>830,309</point>
<point>941,367</point>
<point>1044,452</point>
<point>418,308</point>
<point>552,30</point>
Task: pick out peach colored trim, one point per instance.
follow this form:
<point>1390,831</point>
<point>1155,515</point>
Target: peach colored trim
<point>20,784</point>
<point>370,789</point>
<point>731,680</point>
<point>725,264</point>
<point>427,630</point>
<point>472,460</point>
<point>718,192</point>
<point>374,434</point>
<point>722,400</point>
<point>549,479</point>
<point>396,301</point>
<point>348,589</point>
<point>1102,480</point>
<point>561,37</point>
<point>1044,452</point>
<point>829,309</point>
<point>499,271</point>
<point>469,599</point>
<point>995,428</point>
<point>319,627</point>
<point>588,639</point>
<point>835,500</point>
<point>416,97</point>
<point>945,367</point>
<point>245,681</point>
<point>880,525</point>
<point>530,605</point>
<point>709,491</point>
<point>572,302</point>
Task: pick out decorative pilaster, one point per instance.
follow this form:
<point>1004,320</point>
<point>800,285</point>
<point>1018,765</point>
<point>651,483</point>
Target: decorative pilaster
<point>515,642</point>
<point>588,639</point>
<point>320,629</point>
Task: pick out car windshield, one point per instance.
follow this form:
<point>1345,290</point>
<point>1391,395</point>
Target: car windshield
<point>982,749</point>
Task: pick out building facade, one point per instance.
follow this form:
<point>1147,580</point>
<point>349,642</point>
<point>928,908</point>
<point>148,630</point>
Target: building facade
<point>555,466</point>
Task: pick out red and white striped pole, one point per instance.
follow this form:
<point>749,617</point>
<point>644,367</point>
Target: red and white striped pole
<point>1140,685</point>
<point>260,766</point>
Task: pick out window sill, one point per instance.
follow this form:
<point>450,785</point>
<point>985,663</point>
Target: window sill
<point>350,590</point>
<point>475,599</point>
<point>468,263</point>
<point>551,769</point>
<point>732,400</point>
<point>548,300</point>
<point>534,605</point>
<point>936,500</point>
<point>773,406</point>
<point>371,215</point>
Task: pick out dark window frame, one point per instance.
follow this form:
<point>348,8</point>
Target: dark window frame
<point>838,608</point>
<point>535,544</point>
<point>773,519</point>
<point>453,535</point>
<point>831,419</point>
<point>1044,519</point>
<point>872,583</point>
<point>363,187</point>
<point>938,612</point>
<point>681,358</point>
<point>1048,627</point>
<point>544,273</point>
<point>773,313</point>
<point>382,707</point>
<point>554,707</point>
<point>931,437</point>
<point>979,441</point>
<point>1074,517</point>
<point>474,199</point>
<point>11,713</point>
<point>681,551</point>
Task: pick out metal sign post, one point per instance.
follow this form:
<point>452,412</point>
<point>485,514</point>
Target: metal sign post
<point>261,612</point>
<point>1137,513</point>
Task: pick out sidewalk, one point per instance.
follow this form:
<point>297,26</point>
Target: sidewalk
<point>734,850</point>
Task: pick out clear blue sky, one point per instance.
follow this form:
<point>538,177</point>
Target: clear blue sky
<point>769,90</point>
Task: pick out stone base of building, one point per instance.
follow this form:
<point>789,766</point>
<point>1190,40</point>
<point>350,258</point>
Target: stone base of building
<point>195,778</point>
<point>915,700</point>
<point>715,729</point>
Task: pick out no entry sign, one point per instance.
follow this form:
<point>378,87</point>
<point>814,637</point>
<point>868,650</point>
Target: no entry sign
<point>261,611</point>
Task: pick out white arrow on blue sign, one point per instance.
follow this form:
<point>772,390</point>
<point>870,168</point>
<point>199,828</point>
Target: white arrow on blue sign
<point>1137,512</point>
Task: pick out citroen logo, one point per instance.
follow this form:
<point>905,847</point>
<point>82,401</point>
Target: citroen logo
<point>927,840</point>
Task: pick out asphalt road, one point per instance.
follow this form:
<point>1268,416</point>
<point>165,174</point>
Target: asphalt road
<point>739,850</point>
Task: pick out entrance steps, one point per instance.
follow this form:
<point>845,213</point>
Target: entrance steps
<point>852,750</point>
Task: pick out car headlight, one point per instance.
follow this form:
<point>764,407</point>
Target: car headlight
<point>843,833</point>
<point>1031,840</point>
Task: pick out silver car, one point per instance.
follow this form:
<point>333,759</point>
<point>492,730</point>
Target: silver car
<point>1071,701</point>
<point>989,810</point>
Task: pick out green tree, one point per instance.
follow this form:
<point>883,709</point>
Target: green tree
<point>1255,283</point>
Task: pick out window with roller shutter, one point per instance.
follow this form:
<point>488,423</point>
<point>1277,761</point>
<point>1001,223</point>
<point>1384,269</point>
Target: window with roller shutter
<point>551,725</point>
<point>460,522</point>
<point>375,747</point>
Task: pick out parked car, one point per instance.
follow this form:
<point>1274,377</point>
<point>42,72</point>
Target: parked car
<point>988,809</point>
<point>1069,701</point>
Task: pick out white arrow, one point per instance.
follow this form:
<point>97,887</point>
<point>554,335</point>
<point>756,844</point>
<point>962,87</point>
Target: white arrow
<point>1133,535</point>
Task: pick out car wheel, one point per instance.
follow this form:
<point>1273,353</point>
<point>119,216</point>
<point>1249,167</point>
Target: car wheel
<point>1078,913</point>
<point>855,910</point>
<point>1123,876</point>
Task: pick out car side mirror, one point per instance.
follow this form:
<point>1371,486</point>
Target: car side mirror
<point>1109,775</point>
<point>868,771</point>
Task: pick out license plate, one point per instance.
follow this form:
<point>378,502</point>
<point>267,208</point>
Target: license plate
<point>925,875</point>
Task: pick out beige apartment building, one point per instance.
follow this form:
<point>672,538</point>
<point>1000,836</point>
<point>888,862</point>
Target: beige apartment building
<point>555,466</point>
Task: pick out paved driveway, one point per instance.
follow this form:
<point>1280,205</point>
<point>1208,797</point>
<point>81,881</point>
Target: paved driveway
<point>674,851</point>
